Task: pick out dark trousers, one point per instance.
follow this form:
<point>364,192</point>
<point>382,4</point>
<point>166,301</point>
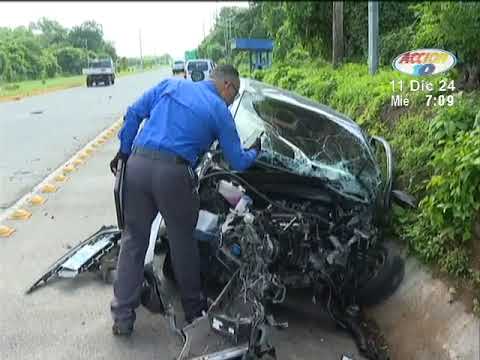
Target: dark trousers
<point>158,183</point>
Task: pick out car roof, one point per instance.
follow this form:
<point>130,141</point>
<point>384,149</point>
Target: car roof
<point>194,60</point>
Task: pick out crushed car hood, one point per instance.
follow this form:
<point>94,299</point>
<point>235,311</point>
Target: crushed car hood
<point>308,139</point>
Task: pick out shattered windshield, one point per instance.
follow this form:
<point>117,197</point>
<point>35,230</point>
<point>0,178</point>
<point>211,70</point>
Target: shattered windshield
<point>308,143</point>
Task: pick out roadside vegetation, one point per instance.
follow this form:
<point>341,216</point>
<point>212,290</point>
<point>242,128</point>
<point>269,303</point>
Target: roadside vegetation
<point>45,56</point>
<point>17,90</point>
<point>437,148</point>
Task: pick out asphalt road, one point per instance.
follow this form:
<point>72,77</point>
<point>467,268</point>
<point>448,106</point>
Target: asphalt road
<point>70,318</point>
<point>39,133</point>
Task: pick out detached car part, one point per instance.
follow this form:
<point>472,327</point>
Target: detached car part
<point>86,256</point>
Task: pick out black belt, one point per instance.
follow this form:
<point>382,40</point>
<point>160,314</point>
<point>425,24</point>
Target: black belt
<point>159,155</point>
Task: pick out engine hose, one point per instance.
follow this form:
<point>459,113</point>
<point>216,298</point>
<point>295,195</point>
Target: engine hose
<point>264,197</point>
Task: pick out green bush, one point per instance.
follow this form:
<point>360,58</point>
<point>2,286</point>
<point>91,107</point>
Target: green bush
<point>11,87</point>
<point>460,117</point>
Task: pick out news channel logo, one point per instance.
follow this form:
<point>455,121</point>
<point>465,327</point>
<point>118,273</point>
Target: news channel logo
<point>424,62</point>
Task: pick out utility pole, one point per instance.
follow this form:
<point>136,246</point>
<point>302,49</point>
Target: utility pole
<point>140,40</point>
<point>86,50</point>
<point>372,36</point>
<point>337,30</point>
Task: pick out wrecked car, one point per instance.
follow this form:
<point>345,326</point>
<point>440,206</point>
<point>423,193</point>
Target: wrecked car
<point>309,213</point>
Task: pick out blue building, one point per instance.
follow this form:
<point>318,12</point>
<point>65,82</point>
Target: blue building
<point>260,51</point>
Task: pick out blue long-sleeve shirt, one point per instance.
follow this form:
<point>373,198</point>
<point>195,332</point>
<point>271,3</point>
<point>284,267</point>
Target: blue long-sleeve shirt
<point>184,118</point>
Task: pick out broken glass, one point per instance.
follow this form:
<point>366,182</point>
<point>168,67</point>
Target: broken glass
<point>309,143</point>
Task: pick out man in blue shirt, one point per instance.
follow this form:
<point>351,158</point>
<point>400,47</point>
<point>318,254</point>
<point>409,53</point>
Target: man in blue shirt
<point>183,119</point>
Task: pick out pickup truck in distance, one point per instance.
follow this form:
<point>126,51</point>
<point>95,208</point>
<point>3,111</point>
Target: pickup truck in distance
<point>100,70</point>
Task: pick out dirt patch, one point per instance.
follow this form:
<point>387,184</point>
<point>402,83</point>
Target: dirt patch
<point>391,114</point>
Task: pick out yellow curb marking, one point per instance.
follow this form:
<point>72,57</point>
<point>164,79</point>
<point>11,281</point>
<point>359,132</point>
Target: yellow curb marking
<point>60,178</point>
<point>6,231</point>
<point>20,214</point>
<point>78,162</point>
<point>49,188</point>
<point>68,169</point>
<point>37,200</point>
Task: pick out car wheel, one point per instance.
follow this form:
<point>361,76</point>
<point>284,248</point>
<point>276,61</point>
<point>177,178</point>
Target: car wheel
<point>197,76</point>
<point>386,272</point>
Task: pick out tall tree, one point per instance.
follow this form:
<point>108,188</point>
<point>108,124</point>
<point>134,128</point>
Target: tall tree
<point>453,26</point>
<point>88,35</point>
<point>51,32</point>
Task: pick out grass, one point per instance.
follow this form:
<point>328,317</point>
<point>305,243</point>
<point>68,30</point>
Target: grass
<point>18,90</point>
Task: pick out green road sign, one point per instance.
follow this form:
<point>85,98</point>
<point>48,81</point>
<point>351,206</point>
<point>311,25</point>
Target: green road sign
<point>190,55</point>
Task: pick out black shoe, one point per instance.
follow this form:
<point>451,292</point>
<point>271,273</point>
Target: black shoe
<point>122,328</point>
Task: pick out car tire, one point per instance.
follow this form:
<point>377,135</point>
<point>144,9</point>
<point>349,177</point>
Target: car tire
<point>385,280</point>
<point>197,76</point>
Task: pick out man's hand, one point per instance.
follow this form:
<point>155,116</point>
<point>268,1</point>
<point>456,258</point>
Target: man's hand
<point>257,145</point>
<point>114,162</point>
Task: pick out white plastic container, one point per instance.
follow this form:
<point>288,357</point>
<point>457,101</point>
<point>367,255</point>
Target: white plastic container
<point>207,221</point>
<point>243,203</point>
<point>230,192</point>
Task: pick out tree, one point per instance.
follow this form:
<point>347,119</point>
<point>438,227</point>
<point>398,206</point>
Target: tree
<point>452,26</point>
<point>109,50</point>
<point>71,60</point>
<point>122,64</point>
<point>3,63</point>
<point>44,49</point>
<point>49,64</point>
<point>52,32</point>
<point>88,35</point>
<point>215,51</point>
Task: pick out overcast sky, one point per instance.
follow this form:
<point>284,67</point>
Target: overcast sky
<point>166,27</point>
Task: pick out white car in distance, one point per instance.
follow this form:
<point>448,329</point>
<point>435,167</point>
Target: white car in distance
<point>199,69</point>
<point>178,66</point>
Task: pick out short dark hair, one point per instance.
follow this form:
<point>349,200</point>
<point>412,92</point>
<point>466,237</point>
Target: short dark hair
<point>225,72</point>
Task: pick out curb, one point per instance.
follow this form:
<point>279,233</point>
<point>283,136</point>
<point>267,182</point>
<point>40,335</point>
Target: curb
<point>421,320</point>
<point>52,182</point>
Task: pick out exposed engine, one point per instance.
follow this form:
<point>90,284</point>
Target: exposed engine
<point>271,246</point>
<point>299,241</point>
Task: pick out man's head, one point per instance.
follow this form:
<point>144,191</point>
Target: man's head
<point>227,81</point>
